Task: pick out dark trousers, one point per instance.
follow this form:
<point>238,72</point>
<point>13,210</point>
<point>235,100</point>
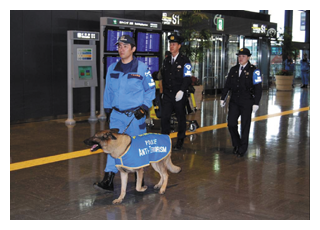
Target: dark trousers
<point>169,105</point>
<point>236,109</point>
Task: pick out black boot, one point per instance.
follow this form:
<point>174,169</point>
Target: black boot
<point>178,146</point>
<point>135,181</point>
<point>107,183</point>
<point>235,150</point>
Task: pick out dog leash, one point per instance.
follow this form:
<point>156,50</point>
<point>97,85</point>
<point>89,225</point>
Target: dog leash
<point>128,125</point>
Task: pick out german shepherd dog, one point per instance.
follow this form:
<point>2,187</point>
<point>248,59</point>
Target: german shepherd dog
<point>115,144</point>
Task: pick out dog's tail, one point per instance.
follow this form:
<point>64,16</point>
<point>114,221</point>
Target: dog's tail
<point>171,167</point>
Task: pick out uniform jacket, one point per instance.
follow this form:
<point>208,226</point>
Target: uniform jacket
<point>242,87</point>
<point>305,65</point>
<point>129,91</point>
<point>145,149</point>
<point>176,76</point>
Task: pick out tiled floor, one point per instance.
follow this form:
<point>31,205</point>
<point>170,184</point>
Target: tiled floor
<point>271,182</point>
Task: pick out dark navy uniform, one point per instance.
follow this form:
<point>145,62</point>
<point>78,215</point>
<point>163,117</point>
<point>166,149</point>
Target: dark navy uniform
<point>244,94</point>
<point>176,77</point>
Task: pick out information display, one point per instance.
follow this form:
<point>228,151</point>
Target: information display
<point>85,72</point>
<point>148,42</point>
<point>151,62</point>
<point>112,38</point>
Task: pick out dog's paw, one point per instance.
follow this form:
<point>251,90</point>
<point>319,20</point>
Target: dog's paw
<point>117,201</point>
<point>144,188</point>
<point>157,186</point>
<point>162,192</point>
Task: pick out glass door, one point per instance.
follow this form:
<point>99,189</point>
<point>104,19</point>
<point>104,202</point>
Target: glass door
<point>213,78</point>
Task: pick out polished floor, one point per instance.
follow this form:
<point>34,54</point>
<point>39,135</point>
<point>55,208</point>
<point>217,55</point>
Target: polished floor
<point>271,182</point>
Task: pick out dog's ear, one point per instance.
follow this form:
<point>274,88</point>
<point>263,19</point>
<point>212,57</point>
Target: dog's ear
<point>109,136</point>
<point>114,130</point>
<point>112,136</point>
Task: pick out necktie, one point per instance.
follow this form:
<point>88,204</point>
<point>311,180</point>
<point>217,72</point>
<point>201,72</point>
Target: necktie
<point>241,71</point>
<point>172,61</point>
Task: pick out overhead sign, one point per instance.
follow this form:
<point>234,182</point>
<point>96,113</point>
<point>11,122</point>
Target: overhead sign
<point>303,21</point>
<point>220,24</point>
<point>132,23</point>
<point>263,30</point>
<point>170,18</point>
<point>85,35</point>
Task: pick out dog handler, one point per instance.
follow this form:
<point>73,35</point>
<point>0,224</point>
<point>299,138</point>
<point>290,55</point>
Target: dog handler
<point>244,82</point>
<point>128,96</point>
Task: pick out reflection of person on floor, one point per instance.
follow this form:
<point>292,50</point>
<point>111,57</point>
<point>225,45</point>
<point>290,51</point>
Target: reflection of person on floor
<point>244,82</point>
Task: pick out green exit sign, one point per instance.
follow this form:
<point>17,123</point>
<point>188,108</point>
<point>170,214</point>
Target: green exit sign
<point>220,24</point>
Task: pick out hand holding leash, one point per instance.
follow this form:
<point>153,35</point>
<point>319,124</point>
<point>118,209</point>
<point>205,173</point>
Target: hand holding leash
<point>140,113</point>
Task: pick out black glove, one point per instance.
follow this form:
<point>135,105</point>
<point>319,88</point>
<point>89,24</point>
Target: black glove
<point>108,113</point>
<point>140,113</point>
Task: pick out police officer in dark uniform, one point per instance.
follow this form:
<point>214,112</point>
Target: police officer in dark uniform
<point>176,74</point>
<point>244,82</point>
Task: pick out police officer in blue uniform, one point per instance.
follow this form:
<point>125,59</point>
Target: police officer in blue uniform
<point>176,78</point>
<point>244,82</point>
<point>128,95</point>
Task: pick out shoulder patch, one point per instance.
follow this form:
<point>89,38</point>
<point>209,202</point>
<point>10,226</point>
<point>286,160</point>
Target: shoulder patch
<point>256,77</point>
<point>187,70</point>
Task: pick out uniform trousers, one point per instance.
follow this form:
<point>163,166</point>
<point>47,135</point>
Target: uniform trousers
<point>120,121</point>
<point>170,105</point>
<point>304,77</point>
<point>237,108</point>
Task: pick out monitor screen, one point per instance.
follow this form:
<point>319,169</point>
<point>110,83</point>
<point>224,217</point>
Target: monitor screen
<point>151,62</point>
<point>112,38</point>
<point>110,60</point>
<point>148,42</point>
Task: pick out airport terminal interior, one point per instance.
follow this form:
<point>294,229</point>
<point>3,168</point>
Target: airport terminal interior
<point>52,171</point>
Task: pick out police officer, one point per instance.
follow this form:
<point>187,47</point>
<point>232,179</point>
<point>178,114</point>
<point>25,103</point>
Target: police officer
<point>128,96</point>
<point>244,82</point>
<point>176,78</point>
<point>305,69</point>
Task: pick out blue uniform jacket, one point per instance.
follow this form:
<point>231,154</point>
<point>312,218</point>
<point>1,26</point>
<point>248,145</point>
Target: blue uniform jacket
<point>145,149</point>
<point>304,65</point>
<point>131,90</point>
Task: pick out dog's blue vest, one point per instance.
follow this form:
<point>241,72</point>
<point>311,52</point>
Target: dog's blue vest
<point>145,149</point>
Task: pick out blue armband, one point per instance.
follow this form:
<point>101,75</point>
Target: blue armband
<point>256,77</point>
<point>187,70</point>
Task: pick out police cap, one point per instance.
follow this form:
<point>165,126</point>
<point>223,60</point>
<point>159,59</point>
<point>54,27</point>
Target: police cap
<point>126,39</point>
<point>244,51</point>
<point>175,38</point>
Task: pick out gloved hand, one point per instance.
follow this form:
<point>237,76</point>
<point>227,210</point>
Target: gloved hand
<point>255,108</point>
<point>179,95</point>
<point>108,114</point>
<point>222,104</point>
<point>140,113</point>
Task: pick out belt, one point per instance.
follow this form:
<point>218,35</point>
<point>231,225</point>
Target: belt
<point>129,113</point>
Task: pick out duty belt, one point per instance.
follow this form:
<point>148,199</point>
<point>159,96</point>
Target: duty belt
<point>129,113</point>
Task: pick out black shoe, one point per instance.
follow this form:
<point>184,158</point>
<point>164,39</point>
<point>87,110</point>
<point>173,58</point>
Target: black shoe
<point>302,86</point>
<point>235,150</point>
<point>178,146</point>
<point>240,154</point>
<point>135,181</point>
<point>107,183</point>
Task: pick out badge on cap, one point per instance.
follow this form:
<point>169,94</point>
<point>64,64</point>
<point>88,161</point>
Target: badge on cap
<point>123,38</point>
<point>171,37</point>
